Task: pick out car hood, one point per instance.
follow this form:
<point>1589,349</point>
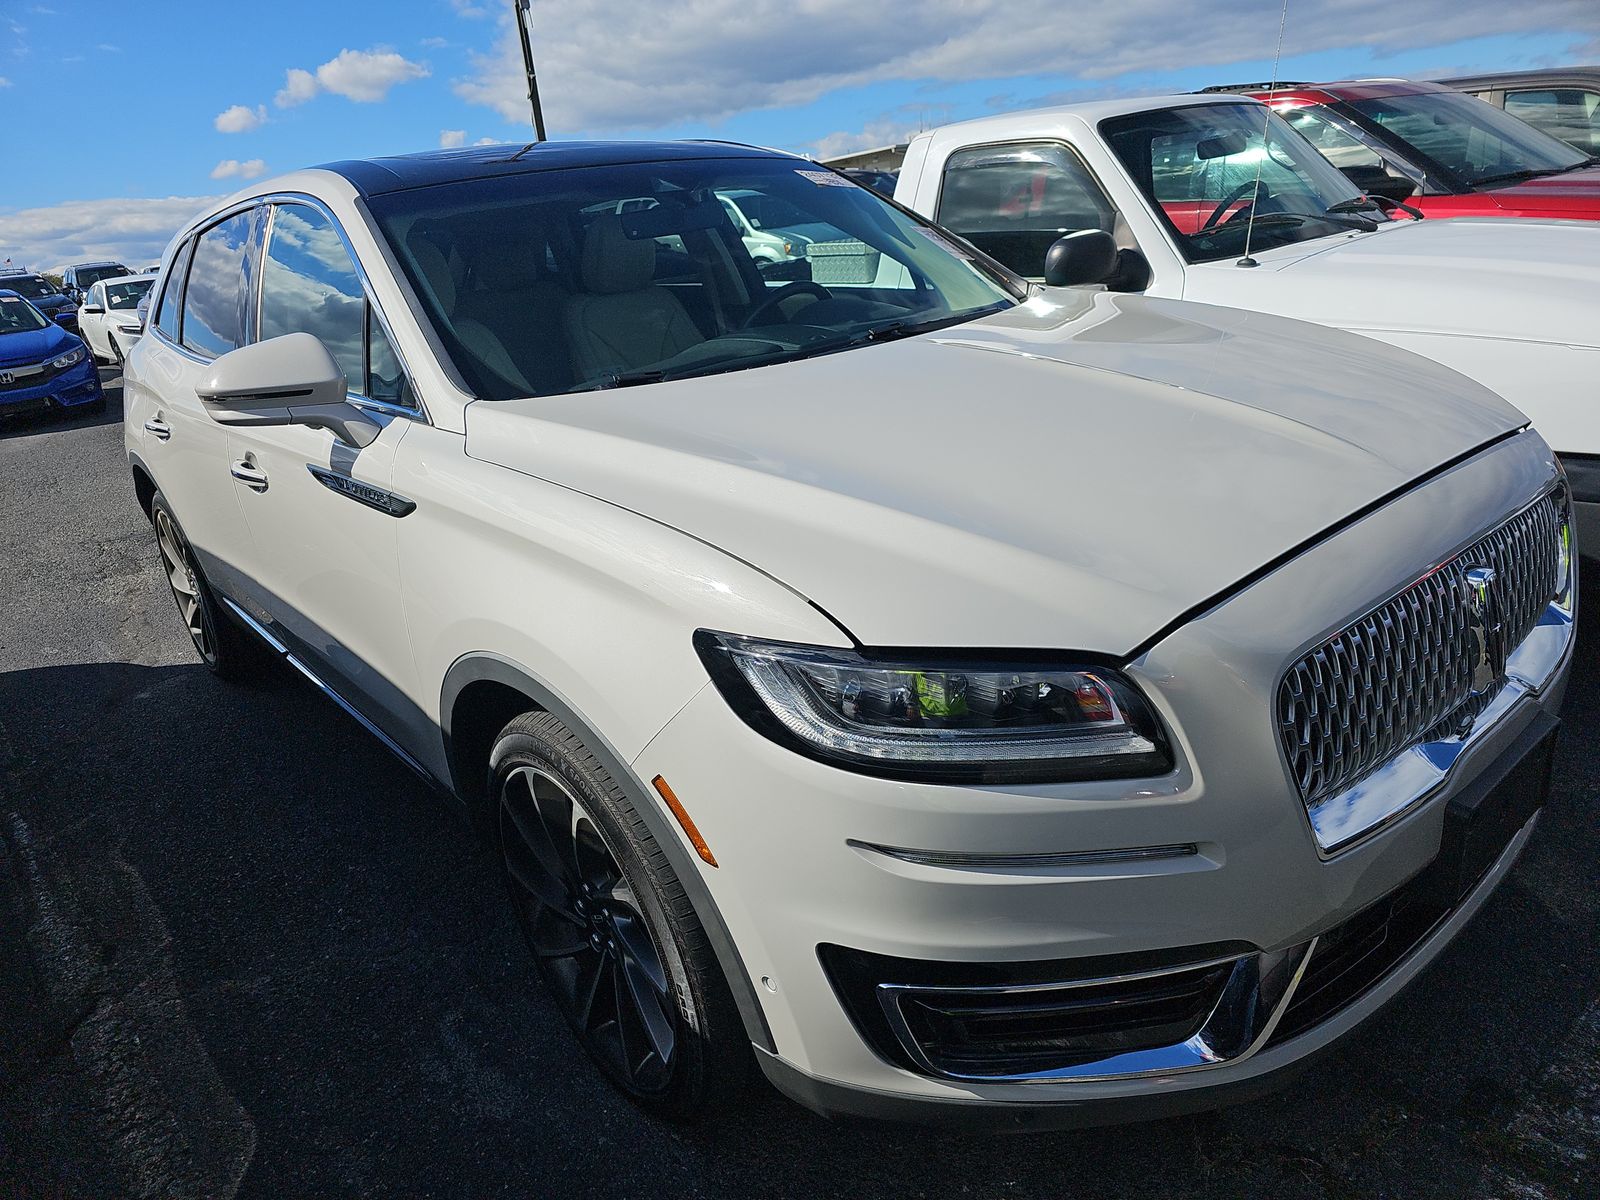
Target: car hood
<point>1524,280</point>
<point>33,345</point>
<point>53,300</point>
<point>1076,472</point>
<point>1575,193</point>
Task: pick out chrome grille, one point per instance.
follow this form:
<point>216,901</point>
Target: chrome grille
<point>1403,673</point>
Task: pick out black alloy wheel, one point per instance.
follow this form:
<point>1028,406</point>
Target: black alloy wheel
<point>588,932</point>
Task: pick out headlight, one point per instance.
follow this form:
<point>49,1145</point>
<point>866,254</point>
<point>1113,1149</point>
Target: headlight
<point>951,721</point>
<point>70,359</point>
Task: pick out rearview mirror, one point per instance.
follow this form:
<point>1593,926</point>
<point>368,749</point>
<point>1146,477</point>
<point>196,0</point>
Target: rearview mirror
<point>1086,256</point>
<point>93,308</point>
<point>1221,145</point>
<point>288,380</point>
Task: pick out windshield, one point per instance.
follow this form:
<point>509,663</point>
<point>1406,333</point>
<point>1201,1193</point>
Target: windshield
<point>567,280</point>
<point>126,295</point>
<point>1205,171</point>
<point>1467,137</point>
<point>87,277</point>
<point>32,286</point>
<point>18,316</point>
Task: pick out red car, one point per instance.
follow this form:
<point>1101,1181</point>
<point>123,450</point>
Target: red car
<point>1446,153</point>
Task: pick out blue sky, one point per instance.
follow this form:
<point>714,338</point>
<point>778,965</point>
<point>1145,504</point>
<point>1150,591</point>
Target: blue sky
<point>118,109</point>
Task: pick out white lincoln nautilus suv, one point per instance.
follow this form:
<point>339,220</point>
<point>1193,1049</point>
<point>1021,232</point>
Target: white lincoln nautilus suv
<point>967,701</point>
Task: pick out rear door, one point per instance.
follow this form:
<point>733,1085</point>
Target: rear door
<point>200,315</point>
<point>323,522</point>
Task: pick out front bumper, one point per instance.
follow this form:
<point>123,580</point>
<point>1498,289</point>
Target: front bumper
<point>76,386</point>
<point>800,866</point>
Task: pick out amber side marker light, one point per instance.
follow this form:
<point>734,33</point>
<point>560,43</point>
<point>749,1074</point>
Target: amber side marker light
<point>676,805</point>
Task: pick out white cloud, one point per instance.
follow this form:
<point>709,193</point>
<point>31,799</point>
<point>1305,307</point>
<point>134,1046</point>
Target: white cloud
<point>230,168</point>
<point>109,48</point>
<point>487,141</point>
<point>4,82</point>
<point>298,87</point>
<point>449,139</point>
<point>471,9</point>
<point>651,63</point>
<point>126,230</point>
<point>367,75</point>
<point>434,43</point>
<point>241,119</point>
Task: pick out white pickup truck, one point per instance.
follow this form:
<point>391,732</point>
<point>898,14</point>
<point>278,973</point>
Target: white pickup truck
<point>1159,195</point>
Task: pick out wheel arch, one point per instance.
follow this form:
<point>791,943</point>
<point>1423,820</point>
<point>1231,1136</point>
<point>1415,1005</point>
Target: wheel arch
<point>481,692</point>
<point>144,484</point>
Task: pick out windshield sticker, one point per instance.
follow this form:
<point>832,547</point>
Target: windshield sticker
<point>825,178</point>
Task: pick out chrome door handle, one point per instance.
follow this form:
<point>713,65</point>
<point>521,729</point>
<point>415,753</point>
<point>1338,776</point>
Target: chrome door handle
<point>157,428</point>
<point>248,474</point>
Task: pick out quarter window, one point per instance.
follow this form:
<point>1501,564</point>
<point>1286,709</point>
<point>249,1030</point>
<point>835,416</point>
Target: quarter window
<point>214,300</point>
<point>1013,201</point>
<point>309,284</point>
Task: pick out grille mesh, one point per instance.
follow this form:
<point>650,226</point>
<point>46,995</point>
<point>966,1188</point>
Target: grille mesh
<point>1390,679</point>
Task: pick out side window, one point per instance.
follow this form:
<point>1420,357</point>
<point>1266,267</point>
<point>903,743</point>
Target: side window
<point>1571,114</point>
<point>1013,201</point>
<point>309,285</point>
<point>214,300</point>
<point>171,300</point>
<point>1337,146</point>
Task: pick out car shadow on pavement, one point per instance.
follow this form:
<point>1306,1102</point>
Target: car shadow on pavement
<point>243,951</point>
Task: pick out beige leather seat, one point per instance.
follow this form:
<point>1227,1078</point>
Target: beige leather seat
<point>442,278</point>
<point>622,321</point>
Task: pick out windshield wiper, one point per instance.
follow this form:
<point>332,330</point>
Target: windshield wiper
<point>617,379</point>
<point>1592,161</point>
<point>1512,176</point>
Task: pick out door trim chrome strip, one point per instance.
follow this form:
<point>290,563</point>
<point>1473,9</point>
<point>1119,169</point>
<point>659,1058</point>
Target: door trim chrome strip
<point>362,719</point>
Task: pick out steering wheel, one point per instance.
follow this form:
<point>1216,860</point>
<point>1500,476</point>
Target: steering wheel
<point>796,288</point>
<point>1255,186</point>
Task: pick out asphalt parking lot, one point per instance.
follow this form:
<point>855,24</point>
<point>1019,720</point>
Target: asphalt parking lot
<point>243,952</point>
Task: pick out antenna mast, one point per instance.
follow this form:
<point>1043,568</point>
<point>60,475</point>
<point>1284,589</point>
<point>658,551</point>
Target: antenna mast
<point>524,12</point>
<point>1266,128</point>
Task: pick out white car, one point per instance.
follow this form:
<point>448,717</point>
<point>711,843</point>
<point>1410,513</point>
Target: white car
<point>970,705</point>
<point>1174,181</point>
<point>108,318</point>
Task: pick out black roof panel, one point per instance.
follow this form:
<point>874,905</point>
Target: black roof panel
<point>394,173</point>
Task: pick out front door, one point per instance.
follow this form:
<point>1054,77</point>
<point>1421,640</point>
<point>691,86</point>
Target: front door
<point>323,524</point>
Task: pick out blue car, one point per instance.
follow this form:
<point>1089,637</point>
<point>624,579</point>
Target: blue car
<point>49,299</point>
<point>43,368</point>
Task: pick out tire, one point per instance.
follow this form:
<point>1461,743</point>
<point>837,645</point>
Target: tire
<point>665,1031</point>
<point>116,350</point>
<point>227,650</point>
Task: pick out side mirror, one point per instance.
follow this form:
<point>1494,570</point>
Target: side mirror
<point>1086,256</point>
<point>1380,180</point>
<point>288,380</point>
<point>92,309</point>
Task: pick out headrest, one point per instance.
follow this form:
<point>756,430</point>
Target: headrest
<point>614,262</point>
<point>435,268</point>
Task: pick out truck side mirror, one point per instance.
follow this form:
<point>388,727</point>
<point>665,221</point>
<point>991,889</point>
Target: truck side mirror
<point>1084,256</point>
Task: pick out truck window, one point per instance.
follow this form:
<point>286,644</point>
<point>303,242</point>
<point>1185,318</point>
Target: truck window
<point>1571,114</point>
<point>1337,146</point>
<point>1012,201</point>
